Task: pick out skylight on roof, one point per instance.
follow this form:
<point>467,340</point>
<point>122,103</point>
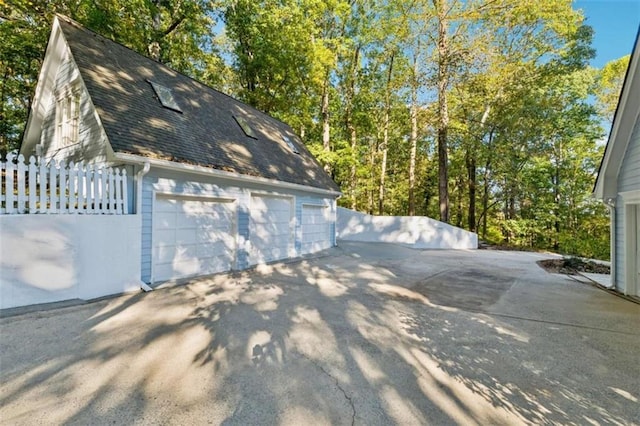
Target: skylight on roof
<point>291,145</point>
<point>244,125</point>
<point>165,95</point>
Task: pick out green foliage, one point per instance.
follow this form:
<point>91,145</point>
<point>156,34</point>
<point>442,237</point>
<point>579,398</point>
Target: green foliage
<point>522,129</point>
<point>182,30</point>
<point>610,79</point>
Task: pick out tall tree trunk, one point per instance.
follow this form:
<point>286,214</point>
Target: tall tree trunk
<point>414,137</point>
<point>485,182</point>
<point>385,135</point>
<point>472,171</point>
<point>326,126</point>
<point>460,197</point>
<point>471,176</point>
<point>443,111</point>
<point>4,139</point>
<point>351,88</point>
<point>154,45</point>
<point>370,187</point>
<point>485,205</point>
<point>556,201</point>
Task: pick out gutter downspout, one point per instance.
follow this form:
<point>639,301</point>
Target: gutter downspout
<point>139,179</point>
<point>611,206</point>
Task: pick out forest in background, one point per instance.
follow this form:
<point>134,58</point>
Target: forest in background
<point>481,113</point>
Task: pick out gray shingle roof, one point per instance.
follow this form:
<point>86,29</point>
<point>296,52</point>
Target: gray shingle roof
<point>204,134</point>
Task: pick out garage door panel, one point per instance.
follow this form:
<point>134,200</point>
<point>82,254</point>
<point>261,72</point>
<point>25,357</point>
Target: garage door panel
<point>316,228</point>
<point>165,254</point>
<point>272,217</point>
<point>186,236</point>
<point>270,203</point>
<point>270,228</point>
<point>209,235</point>
<point>165,220</point>
<point>163,205</point>
<point>192,237</point>
<point>206,249</point>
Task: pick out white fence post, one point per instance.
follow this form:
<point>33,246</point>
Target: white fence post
<point>10,208</point>
<point>82,188</point>
<point>63,187</point>
<point>53,187</point>
<point>118,188</point>
<point>22,193</point>
<point>72,187</point>
<point>125,195</point>
<point>95,196</point>
<point>42,177</point>
<point>33,184</point>
<point>3,180</point>
<point>104,208</point>
<point>112,192</point>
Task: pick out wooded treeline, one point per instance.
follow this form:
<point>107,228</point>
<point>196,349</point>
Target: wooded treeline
<point>482,113</point>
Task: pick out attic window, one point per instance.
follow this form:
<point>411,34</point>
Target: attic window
<point>166,97</point>
<point>67,118</point>
<point>245,127</point>
<point>291,145</point>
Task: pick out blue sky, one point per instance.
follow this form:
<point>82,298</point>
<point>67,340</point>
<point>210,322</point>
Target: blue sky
<point>615,23</point>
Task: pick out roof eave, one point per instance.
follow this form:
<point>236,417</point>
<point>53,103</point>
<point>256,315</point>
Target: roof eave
<point>623,122</point>
<point>56,46</point>
<point>207,171</point>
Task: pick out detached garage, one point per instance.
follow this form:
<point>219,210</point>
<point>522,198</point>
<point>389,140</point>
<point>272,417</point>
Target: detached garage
<point>217,185</point>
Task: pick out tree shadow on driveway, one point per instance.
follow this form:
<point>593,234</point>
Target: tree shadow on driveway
<point>340,339</point>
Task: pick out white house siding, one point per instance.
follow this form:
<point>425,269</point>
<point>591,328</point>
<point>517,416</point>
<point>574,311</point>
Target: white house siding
<point>177,183</point>
<point>92,145</point>
<point>628,180</point>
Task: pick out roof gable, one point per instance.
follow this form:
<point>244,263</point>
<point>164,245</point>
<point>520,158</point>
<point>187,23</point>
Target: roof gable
<point>206,131</point>
<point>624,120</point>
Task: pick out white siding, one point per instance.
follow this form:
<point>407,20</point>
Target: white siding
<point>628,180</point>
<point>92,145</point>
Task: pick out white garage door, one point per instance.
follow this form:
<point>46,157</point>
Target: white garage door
<point>270,230</point>
<point>192,236</point>
<point>316,228</point>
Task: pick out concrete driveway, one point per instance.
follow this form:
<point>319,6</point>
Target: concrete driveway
<point>363,334</point>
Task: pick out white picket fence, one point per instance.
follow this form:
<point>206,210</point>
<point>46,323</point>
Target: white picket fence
<point>55,188</point>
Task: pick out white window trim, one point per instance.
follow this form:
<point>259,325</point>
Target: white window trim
<point>67,130</point>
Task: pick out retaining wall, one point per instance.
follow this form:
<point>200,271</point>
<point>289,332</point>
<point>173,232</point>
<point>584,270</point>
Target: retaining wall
<point>414,231</point>
<point>49,258</point>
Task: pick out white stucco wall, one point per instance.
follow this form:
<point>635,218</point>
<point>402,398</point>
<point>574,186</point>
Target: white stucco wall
<point>415,231</point>
<point>49,258</point>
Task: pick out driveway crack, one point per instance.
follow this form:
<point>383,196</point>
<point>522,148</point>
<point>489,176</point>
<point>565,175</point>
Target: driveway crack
<point>337,382</point>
